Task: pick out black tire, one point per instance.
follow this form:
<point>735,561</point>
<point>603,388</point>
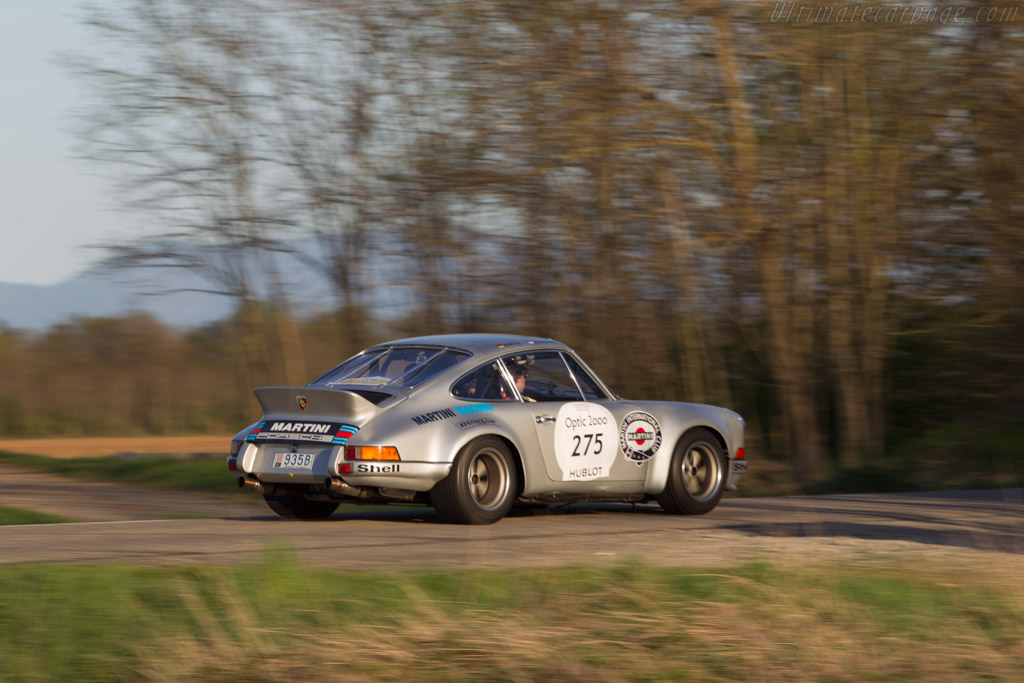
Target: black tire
<point>481,486</point>
<point>696,477</point>
<point>294,507</point>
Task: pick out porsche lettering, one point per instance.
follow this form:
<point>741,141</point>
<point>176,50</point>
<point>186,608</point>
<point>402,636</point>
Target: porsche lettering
<point>293,436</point>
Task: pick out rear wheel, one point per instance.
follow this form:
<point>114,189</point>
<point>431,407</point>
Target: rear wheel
<point>696,478</point>
<point>294,507</point>
<point>481,485</point>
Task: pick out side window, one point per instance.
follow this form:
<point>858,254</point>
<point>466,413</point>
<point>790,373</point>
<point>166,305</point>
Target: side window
<point>591,389</point>
<point>483,384</point>
<point>542,376</point>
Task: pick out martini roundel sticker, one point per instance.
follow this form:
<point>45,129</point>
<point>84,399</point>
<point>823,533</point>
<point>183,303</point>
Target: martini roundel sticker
<point>584,441</point>
<point>639,436</point>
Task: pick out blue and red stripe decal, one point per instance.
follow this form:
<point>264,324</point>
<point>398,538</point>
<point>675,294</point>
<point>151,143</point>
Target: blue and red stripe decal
<point>254,431</point>
<point>344,432</point>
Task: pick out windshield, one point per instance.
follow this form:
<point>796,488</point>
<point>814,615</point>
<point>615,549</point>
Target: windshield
<point>395,366</point>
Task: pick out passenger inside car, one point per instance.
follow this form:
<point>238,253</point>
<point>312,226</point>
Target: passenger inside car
<point>484,384</point>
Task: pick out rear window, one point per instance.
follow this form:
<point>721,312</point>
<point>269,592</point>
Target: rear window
<point>396,366</point>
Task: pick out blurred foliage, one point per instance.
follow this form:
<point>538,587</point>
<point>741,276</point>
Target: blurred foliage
<point>279,620</point>
<point>15,516</point>
<point>134,375</point>
<point>205,474</point>
<point>820,225</point>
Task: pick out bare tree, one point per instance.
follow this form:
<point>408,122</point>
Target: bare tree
<point>698,184</point>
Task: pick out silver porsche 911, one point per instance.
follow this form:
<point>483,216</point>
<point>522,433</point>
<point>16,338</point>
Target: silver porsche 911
<point>473,424</point>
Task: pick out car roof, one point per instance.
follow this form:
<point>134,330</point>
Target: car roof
<point>478,343</point>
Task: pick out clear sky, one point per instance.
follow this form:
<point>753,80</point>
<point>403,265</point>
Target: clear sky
<point>52,205</point>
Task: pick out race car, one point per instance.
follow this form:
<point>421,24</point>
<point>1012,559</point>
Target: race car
<point>473,424</point>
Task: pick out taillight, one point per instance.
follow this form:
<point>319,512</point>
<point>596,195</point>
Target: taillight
<point>371,453</point>
<point>740,453</point>
<point>233,464</point>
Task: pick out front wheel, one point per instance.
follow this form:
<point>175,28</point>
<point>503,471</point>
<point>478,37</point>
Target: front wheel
<point>294,507</point>
<point>696,478</point>
<point>481,485</point>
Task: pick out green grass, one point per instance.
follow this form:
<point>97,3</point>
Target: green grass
<point>205,474</point>
<point>958,455</point>
<point>280,621</point>
<point>867,479</point>
<point>12,516</point>
<point>965,454</point>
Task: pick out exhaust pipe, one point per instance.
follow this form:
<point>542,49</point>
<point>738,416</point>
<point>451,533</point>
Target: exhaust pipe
<point>340,487</point>
<point>252,484</point>
<point>398,494</point>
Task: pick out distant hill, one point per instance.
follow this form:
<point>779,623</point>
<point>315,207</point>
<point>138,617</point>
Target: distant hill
<point>93,294</point>
<point>104,293</point>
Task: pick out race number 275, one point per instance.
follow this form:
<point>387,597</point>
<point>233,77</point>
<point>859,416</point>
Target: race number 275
<point>587,441</point>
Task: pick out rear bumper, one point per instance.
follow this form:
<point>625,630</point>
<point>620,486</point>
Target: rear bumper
<point>263,462</point>
<point>413,476</point>
<point>737,468</point>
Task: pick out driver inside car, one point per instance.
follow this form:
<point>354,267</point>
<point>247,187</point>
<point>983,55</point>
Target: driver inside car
<point>519,373</point>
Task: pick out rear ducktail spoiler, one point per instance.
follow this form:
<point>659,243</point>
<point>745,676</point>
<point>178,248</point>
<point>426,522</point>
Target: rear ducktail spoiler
<point>304,403</point>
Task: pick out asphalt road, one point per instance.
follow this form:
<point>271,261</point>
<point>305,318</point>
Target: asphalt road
<point>131,527</point>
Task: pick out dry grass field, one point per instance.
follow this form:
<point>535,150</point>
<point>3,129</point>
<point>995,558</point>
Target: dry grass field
<point>101,446</point>
<point>823,621</point>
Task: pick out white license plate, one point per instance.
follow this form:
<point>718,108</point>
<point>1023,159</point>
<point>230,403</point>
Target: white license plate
<point>293,461</point>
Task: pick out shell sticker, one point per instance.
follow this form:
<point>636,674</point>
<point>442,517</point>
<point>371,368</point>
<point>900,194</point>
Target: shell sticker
<point>640,436</point>
<point>584,441</point>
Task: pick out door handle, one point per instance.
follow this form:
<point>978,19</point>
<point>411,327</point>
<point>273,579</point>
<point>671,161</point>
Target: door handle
<point>541,419</point>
